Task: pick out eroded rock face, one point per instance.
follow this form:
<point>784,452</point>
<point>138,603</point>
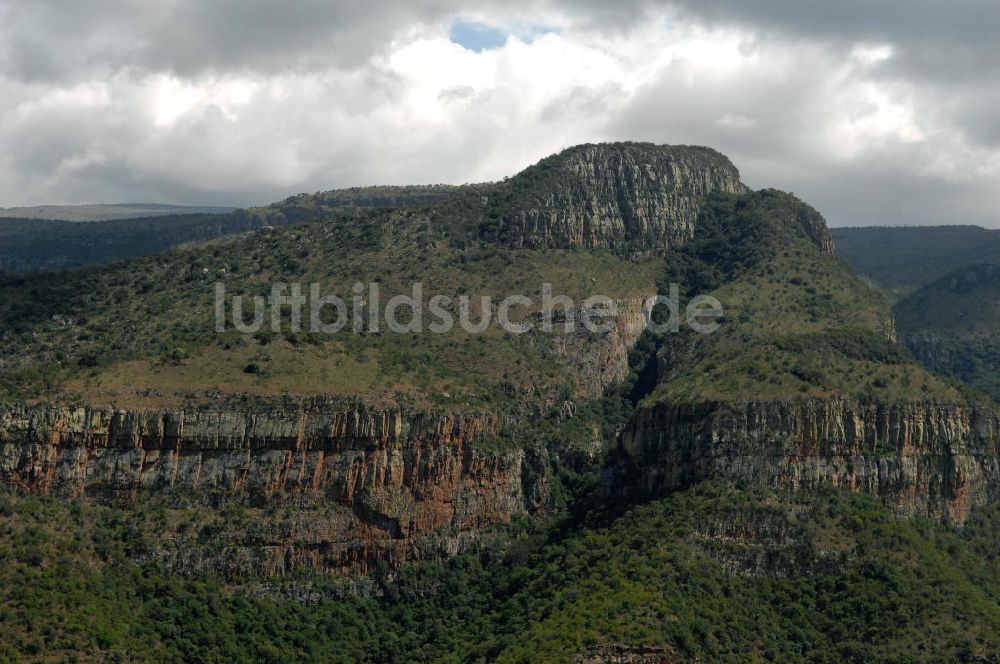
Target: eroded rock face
<point>366,484</point>
<point>621,653</point>
<point>926,459</point>
<point>768,541</point>
<point>599,358</point>
<point>332,483</point>
<point>637,198</point>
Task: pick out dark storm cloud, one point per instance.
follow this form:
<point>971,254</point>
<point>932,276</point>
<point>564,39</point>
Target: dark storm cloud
<point>57,39</point>
<point>911,20</point>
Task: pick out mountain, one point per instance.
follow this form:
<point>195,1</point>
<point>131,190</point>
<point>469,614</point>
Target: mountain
<point>900,260</point>
<point>803,385</point>
<point>791,484</point>
<point>130,353</point>
<point>953,326</point>
<point>82,213</point>
<point>941,280</point>
<point>589,196</point>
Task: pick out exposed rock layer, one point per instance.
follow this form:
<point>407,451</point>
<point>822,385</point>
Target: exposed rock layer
<point>926,459</point>
<point>637,198</point>
<point>367,484</point>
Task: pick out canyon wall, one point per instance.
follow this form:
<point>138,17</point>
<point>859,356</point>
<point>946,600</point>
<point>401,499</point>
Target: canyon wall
<point>921,459</point>
<point>365,484</point>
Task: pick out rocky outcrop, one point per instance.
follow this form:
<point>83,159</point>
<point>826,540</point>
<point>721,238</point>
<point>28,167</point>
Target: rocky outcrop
<point>366,484</point>
<point>926,459</point>
<point>598,356</point>
<point>621,653</point>
<point>635,198</point>
<point>754,539</point>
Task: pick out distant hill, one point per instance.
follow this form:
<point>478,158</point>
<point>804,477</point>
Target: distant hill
<point>106,212</point>
<point>953,326</point>
<point>32,244</point>
<point>900,260</point>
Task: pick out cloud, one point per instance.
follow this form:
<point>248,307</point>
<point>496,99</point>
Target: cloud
<point>65,39</point>
<point>875,113</point>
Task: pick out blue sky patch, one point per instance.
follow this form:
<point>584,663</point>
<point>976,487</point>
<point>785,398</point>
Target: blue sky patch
<point>476,36</point>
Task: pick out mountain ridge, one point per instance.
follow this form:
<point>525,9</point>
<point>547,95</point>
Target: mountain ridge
<point>136,342</point>
<point>901,260</point>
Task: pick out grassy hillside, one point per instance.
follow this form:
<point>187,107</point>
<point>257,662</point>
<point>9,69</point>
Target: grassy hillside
<point>711,574</point>
<point>798,322</point>
<point>105,334</point>
<point>144,329</point>
<point>953,326</point>
<point>902,259</point>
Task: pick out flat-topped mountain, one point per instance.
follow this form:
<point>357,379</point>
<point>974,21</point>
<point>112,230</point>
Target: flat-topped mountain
<point>278,458</point>
<point>636,197</point>
<point>629,197</point>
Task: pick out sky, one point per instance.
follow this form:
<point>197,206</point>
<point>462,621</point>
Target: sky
<point>877,113</point>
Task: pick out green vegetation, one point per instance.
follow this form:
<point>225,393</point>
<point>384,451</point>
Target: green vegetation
<point>945,293</point>
<point>30,245</point>
<point>953,326</point>
<point>147,325</point>
<point>714,573</point>
<point>902,259</point>
<point>798,323</point>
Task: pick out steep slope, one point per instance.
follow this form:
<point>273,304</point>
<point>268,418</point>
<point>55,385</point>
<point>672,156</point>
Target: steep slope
<point>803,386</point>
<point>133,393</point>
<point>401,445</point>
<point>713,573</point>
<point>953,326</point>
<point>633,197</point>
<point>903,259</point>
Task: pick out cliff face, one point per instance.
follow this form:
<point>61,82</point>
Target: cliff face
<point>632,197</point>
<point>367,485</point>
<point>934,460</point>
<point>337,484</point>
<point>599,358</point>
